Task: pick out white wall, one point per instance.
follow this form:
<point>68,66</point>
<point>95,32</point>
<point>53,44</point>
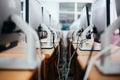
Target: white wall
<point>53,9</point>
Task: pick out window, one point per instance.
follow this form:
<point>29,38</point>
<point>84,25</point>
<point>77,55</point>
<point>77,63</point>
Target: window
<point>67,6</point>
<point>66,18</point>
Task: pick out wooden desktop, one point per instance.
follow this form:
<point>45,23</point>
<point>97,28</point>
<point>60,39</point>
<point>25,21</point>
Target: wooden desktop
<point>19,52</point>
<point>95,74</point>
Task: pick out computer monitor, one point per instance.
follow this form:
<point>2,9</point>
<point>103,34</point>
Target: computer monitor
<point>107,59</point>
<point>84,18</point>
<point>39,20</point>
<point>36,17</point>
<point>114,10</point>
<point>35,14</point>
<point>81,24</point>
<point>100,17</point>
<point>114,14</point>
<point>46,17</point>
<point>8,35</point>
<point>118,7</point>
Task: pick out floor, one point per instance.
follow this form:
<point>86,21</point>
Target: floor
<point>63,72</point>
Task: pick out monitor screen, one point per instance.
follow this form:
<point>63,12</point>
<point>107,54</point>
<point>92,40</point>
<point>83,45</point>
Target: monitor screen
<point>84,18</point>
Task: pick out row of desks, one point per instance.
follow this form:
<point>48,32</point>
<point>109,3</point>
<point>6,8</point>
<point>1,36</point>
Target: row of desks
<point>95,74</point>
<point>20,50</point>
<point>17,52</point>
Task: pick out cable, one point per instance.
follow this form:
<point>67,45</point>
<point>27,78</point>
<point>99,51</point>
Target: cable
<point>71,59</point>
<point>39,69</point>
<point>72,37</point>
<point>53,40</point>
<point>91,62</point>
<point>74,54</point>
<point>70,49</point>
<point>90,54</point>
<point>58,62</point>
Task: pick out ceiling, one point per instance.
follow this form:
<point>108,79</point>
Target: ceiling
<point>82,1</point>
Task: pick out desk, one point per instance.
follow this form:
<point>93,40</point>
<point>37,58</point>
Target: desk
<point>94,74</point>
<point>16,74</point>
<point>19,51</point>
<point>48,64</point>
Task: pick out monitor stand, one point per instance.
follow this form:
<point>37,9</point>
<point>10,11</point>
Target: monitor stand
<point>47,43</point>
<point>109,63</point>
<point>109,67</point>
<point>8,41</point>
<point>47,47</point>
<point>87,46</point>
